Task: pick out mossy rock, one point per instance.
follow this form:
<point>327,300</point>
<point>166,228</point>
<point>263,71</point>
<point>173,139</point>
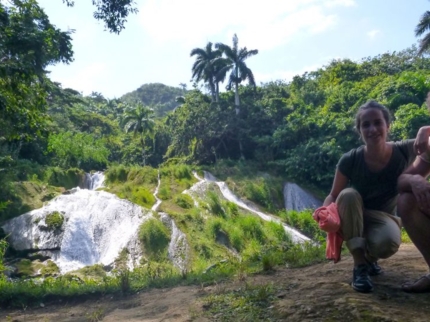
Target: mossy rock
<point>54,220</point>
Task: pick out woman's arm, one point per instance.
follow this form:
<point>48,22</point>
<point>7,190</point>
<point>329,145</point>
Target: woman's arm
<point>339,183</point>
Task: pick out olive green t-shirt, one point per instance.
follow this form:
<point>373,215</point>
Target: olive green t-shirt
<point>376,188</point>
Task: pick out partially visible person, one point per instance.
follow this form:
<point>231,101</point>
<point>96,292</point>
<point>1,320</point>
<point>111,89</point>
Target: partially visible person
<point>413,205</point>
<point>365,191</point>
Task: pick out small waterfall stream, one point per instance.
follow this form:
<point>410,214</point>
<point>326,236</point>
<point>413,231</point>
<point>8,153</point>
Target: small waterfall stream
<point>296,236</point>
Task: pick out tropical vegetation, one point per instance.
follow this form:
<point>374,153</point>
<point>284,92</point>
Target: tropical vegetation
<point>254,137</point>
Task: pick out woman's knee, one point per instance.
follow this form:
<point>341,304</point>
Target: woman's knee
<point>383,249</point>
<point>348,196</point>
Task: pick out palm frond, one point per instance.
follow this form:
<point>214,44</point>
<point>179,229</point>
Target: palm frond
<point>424,44</point>
<point>423,24</point>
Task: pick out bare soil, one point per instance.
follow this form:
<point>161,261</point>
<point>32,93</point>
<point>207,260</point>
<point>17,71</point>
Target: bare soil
<point>316,293</point>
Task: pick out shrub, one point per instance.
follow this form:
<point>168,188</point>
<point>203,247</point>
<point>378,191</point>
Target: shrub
<point>154,236</point>
<point>54,220</point>
<point>252,228</point>
<point>116,174</point>
<point>184,201</point>
<point>215,204</point>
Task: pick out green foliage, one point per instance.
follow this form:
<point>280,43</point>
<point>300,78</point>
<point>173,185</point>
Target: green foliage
<point>409,118</point>
<point>154,236</point>
<point>54,220</point>
<point>215,204</point>
<point>304,222</point>
<point>162,97</point>
<point>78,150</point>
<point>49,269</point>
<point>68,179</point>
<point>184,201</point>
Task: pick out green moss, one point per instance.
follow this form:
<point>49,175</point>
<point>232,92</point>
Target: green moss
<point>54,220</point>
<point>89,272</point>
<point>24,196</point>
<point>24,268</point>
<point>68,179</point>
<point>50,268</point>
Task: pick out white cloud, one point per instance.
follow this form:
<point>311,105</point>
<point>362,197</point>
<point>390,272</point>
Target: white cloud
<point>373,33</point>
<point>84,80</point>
<point>260,24</point>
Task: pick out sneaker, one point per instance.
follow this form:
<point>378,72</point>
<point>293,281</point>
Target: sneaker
<point>374,269</point>
<point>361,281</point>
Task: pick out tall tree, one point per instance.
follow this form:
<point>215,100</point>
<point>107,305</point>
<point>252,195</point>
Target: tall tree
<point>28,44</point>
<point>422,27</point>
<point>139,120</point>
<point>204,69</point>
<point>236,64</point>
<point>114,13</point>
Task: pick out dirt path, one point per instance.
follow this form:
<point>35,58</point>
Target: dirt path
<point>317,293</point>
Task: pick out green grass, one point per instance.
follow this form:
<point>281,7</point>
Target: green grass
<point>249,303</point>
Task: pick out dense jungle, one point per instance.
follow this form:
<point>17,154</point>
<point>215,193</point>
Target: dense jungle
<point>156,141</point>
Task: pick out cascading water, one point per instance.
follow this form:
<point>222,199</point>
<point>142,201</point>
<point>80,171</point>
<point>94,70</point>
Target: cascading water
<point>97,226</point>
<point>94,180</point>
<point>158,201</point>
<point>298,199</point>
<point>296,236</point>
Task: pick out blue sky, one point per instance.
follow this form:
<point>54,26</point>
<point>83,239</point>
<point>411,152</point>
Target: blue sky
<point>292,36</point>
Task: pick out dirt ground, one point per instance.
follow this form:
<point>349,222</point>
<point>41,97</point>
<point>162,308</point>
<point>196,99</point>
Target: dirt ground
<point>316,293</point>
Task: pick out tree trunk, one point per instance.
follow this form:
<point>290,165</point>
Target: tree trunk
<point>236,97</point>
<point>143,150</point>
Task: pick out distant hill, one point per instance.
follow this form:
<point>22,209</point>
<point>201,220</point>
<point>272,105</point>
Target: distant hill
<point>158,96</point>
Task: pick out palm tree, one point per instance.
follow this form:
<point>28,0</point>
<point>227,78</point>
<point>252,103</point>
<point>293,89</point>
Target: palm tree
<point>203,67</point>
<point>421,28</point>
<point>236,63</point>
<point>139,120</point>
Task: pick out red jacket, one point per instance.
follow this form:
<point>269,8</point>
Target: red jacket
<point>328,220</point>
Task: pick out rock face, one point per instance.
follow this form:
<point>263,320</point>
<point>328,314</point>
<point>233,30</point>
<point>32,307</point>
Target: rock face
<point>296,198</point>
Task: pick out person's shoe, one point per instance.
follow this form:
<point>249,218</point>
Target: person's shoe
<point>374,269</point>
<point>361,281</point>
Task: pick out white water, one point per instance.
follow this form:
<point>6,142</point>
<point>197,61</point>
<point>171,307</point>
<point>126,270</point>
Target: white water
<point>297,199</point>
<point>97,227</point>
<point>158,201</point>
<point>94,180</point>
<point>296,236</point>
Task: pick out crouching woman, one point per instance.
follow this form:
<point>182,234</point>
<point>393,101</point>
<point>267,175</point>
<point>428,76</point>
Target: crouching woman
<point>365,191</point>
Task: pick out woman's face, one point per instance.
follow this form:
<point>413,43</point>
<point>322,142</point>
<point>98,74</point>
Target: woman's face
<point>373,127</point>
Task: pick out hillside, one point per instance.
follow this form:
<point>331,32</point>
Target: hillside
<point>158,96</point>
<point>315,293</point>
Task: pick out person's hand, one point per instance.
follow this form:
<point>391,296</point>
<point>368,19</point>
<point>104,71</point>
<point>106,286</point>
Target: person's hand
<point>421,143</point>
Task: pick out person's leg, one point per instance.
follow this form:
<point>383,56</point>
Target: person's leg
<point>350,208</point>
<point>382,233</point>
<point>417,225</point>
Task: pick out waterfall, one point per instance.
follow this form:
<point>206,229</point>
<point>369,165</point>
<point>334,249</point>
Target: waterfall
<point>296,236</point>
<point>298,199</point>
<point>94,180</point>
<point>97,226</point>
<point>158,201</point>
